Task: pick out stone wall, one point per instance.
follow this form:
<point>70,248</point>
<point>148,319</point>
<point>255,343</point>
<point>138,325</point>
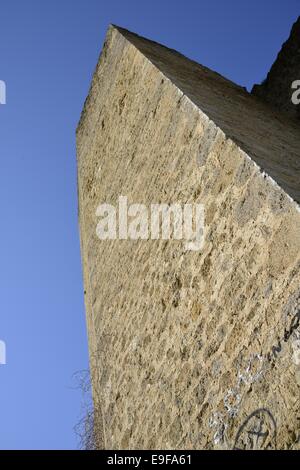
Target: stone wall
<point>190,349</point>
<point>276,88</point>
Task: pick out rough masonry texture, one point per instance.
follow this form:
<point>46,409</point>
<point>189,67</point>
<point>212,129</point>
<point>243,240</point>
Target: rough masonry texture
<point>190,349</point>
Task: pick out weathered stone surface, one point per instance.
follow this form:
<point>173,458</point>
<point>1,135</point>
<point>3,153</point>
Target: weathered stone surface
<point>276,89</point>
<point>190,349</point>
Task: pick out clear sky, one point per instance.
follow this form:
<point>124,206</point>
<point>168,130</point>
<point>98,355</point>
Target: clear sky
<point>48,51</point>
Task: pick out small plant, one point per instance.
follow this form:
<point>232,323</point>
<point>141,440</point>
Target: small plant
<point>89,429</point>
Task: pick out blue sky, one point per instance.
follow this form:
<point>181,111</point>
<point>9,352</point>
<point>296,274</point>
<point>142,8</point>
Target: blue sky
<point>48,51</point>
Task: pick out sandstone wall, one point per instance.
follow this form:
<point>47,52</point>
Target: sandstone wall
<point>190,349</point>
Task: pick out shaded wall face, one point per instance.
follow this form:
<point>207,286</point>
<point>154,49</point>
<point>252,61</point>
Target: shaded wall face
<point>189,349</point>
<point>281,88</point>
